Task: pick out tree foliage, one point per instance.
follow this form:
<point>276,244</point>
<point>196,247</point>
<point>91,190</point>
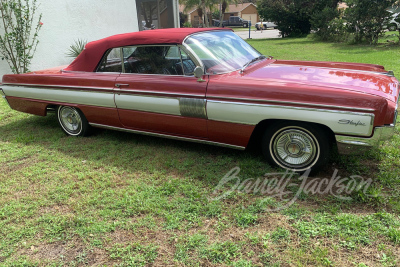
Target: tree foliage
<point>366,19</point>
<point>295,17</point>
<point>18,33</point>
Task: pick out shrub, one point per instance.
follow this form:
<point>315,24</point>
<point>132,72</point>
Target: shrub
<point>187,24</point>
<point>366,19</point>
<point>295,17</point>
<point>19,32</point>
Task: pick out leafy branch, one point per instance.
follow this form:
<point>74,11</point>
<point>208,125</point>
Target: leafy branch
<point>18,33</point>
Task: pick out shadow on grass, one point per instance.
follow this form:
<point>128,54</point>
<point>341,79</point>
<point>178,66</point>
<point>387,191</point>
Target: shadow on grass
<point>134,152</point>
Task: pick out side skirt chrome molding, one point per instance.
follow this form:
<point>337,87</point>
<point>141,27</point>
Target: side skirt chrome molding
<point>167,136</point>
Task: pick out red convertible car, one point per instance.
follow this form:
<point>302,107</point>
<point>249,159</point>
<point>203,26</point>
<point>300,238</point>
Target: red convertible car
<point>210,86</point>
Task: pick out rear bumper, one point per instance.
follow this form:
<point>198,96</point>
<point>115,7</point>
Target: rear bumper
<point>3,96</point>
<point>351,145</point>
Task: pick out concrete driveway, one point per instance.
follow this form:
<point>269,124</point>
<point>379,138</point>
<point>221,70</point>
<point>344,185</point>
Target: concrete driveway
<point>258,34</point>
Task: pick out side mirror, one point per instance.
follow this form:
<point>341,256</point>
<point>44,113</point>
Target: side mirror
<point>198,73</point>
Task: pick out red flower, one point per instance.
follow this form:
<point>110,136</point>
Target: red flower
<point>41,23</point>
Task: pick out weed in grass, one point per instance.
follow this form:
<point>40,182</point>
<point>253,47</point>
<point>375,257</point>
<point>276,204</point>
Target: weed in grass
<point>245,219</point>
<point>394,235</point>
<point>188,245</point>
<point>253,238</point>
<point>224,252</point>
<point>134,254</point>
<point>294,212</point>
<point>242,263</point>
<point>279,235</point>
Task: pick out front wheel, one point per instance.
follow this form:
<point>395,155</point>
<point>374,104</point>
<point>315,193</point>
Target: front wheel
<point>72,121</point>
<point>296,146</point>
<point>244,25</point>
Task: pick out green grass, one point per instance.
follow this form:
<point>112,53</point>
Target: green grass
<point>129,200</point>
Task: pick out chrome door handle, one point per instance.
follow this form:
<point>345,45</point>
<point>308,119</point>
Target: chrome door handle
<point>119,85</point>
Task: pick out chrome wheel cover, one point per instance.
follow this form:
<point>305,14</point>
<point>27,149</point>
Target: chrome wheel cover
<point>70,120</point>
<point>295,148</point>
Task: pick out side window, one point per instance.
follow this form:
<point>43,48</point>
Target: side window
<point>152,60</point>
<point>188,64</point>
<point>111,62</point>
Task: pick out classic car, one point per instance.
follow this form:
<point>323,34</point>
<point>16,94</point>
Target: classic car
<point>210,86</point>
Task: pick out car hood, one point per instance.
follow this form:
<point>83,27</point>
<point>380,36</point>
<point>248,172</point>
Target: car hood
<point>365,78</point>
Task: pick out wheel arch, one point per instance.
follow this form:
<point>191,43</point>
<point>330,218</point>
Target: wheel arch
<point>262,126</point>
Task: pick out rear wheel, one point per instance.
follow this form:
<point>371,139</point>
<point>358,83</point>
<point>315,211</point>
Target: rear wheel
<point>245,25</point>
<point>296,146</point>
<point>72,121</point>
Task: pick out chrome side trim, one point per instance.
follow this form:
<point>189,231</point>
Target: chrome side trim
<point>58,87</point>
<point>4,96</point>
<point>164,105</point>
<point>167,136</point>
<point>252,114</point>
<point>193,107</point>
<point>101,99</point>
<point>290,103</point>
<point>149,93</point>
<point>347,143</point>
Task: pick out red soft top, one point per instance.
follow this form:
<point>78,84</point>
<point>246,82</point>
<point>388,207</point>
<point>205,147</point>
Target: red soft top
<point>94,51</point>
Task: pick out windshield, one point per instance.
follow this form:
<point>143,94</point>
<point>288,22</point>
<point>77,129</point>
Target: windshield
<point>221,51</point>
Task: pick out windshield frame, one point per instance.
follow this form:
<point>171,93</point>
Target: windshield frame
<point>189,49</point>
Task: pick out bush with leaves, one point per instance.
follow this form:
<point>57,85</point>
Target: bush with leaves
<point>296,17</point>
<point>323,23</point>
<point>366,19</point>
<point>18,33</point>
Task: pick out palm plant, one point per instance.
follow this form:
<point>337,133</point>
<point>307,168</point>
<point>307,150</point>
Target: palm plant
<point>76,48</point>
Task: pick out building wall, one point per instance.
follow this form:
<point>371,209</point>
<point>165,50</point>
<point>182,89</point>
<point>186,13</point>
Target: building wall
<point>250,11</point>
<point>67,21</point>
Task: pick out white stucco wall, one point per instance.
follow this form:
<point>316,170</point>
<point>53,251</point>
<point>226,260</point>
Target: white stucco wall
<point>65,21</point>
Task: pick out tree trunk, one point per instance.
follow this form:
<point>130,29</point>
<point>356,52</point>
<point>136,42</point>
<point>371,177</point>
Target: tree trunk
<point>203,6</point>
<point>221,14</point>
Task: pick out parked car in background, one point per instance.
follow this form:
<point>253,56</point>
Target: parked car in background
<point>233,21</point>
<point>210,86</point>
<point>392,24</point>
<point>265,25</point>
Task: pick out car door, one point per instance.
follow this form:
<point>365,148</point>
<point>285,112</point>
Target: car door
<point>158,92</point>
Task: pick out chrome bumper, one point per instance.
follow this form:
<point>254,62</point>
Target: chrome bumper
<point>4,96</point>
<point>351,145</point>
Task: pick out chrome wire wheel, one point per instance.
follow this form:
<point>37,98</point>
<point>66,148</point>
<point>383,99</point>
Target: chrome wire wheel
<point>70,120</point>
<point>294,148</point>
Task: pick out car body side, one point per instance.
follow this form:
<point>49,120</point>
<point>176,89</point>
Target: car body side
<point>224,109</point>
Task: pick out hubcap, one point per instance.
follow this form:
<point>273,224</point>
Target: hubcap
<point>294,148</point>
<point>70,120</point>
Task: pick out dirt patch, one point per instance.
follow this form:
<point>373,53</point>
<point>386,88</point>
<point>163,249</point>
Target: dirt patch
<point>71,251</point>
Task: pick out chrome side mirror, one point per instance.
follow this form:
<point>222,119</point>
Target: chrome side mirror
<point>198,73</point>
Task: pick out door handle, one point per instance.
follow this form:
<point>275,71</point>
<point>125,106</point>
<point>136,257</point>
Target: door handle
<point>119,85</point>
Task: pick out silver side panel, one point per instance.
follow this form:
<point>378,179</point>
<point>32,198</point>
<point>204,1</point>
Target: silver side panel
<point>163,105</point>
<point>101,99</point>
<point>252,114</point>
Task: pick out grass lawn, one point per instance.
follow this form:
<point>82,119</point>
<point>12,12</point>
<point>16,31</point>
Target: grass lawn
<point>130,200</point>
